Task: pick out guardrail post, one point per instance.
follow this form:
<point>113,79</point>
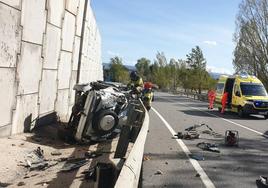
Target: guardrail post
<point>126,131</point>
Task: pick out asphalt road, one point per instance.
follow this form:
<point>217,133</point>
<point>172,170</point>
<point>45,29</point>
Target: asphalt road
<point>234,167</point>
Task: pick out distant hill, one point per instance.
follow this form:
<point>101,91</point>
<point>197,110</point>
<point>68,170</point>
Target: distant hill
<point>215,75</point>
<point>107,66</point>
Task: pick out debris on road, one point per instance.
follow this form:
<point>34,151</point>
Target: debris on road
<point>74,164</point>
<point>158,172</point>
<point>262,182</point>
<point>56,152</point>
<point>209,130</point>
<point>231,138</point>
<point>197,157</point>
<point>21,183</point>
<point>92,154</point>
<point>208,147</point>
<point>146,158</point>
<point>187,135</point>
<point>90,174</point>
<point>197,175</point>
<point>39,152</point>
<point>4,184</point>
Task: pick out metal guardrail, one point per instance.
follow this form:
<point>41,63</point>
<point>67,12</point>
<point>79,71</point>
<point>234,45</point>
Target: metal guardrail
<point>130,172</point>
<point>196,96</point>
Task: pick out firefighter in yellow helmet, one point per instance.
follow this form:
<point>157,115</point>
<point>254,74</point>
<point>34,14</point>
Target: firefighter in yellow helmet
<point>136,82</point>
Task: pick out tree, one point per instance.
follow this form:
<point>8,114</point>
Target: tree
<point>197,64</point>
<point>251,37</point>
<point>143,68</point>
<point>119,72</point>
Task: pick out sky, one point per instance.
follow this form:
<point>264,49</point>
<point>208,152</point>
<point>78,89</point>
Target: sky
<point>132,29</point>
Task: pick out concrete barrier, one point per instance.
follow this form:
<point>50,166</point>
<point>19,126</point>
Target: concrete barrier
<point>130,173</point>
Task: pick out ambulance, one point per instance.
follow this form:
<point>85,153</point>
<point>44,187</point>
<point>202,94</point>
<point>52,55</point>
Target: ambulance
<point>246,95</point>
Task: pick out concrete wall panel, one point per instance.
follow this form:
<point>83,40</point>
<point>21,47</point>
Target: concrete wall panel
<point>10,35</point>
<point>13,3</point>
<point>29,68</point>
<point>62,104</point>
<point>72,5</point>
<point>39,50</point>
<point>55,11</point>
<point>71,91</point>
<point>26,112</point>
<point>52,46</point>
<point>33,16</point>
<point>48,91</point>
<point>65,67</point>
<point>79,18</point>
<point>76,52</point>
<point>68,31</point>
<point>7,94</point>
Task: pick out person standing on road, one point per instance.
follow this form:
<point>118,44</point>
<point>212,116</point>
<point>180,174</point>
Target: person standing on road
<point>224,101</point>
<point>211,98</point>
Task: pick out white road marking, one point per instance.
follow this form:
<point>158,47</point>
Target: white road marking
<point>205,179</point>
<point>227,120</point>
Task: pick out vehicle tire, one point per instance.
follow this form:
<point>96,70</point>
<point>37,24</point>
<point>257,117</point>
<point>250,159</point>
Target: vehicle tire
<point>240,112</point>
<point>105,121</point>
<point>265,116</point>
<point>219,109</point>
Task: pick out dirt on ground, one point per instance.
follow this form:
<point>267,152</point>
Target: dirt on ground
<point>21,166</point>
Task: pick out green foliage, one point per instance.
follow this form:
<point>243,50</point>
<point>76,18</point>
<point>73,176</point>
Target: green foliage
<point>251,38</point>
<point>119,72</point>
<point>143,68</point>
<point>189,74</point>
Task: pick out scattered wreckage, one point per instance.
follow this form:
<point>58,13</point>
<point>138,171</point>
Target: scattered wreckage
<point>231,138</point>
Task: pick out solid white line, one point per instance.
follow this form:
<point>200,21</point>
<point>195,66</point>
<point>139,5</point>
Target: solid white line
<point>227,120</point>
<point>205,179</point>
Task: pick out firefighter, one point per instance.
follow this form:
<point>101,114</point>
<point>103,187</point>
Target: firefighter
<point>224,101</point>
<point>147,95</point>
<point>136,82</point>
<point>211,98</point>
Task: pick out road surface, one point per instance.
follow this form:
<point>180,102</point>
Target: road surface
<point>233,167</point>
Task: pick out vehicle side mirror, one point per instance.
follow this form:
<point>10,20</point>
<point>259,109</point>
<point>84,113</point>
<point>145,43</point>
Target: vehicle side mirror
<point>237,93</point>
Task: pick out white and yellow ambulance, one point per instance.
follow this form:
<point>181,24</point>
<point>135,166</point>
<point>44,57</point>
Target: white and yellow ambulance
<point>246,95</point>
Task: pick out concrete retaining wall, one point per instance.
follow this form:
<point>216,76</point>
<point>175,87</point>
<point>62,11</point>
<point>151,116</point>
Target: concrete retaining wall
<point>39,53</point>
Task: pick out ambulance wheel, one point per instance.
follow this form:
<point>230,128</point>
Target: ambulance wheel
<point>105,122</point>
<point>240,112</point>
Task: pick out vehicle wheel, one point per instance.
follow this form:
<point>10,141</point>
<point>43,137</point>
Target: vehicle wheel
<point>265,116</point>
<point>219,109</point>
<point>240,112</point>
<point>105,122</point>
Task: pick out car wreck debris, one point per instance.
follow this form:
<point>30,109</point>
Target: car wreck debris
<point>262,182</point>
<point>197,157</point>
<point>208,147</point>
<point>74,164</point>
<point>98,111</point>
<point>231,138</point>
<point>187,135</point>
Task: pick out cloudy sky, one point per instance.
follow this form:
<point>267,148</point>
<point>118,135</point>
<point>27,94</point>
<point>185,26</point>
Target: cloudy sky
<point>133,29</point>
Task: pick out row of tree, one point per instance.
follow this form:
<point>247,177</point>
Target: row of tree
<point>251,38</point>
<point>189,74</point>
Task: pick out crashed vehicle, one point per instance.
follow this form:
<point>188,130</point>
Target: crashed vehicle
<point>99,109</point>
